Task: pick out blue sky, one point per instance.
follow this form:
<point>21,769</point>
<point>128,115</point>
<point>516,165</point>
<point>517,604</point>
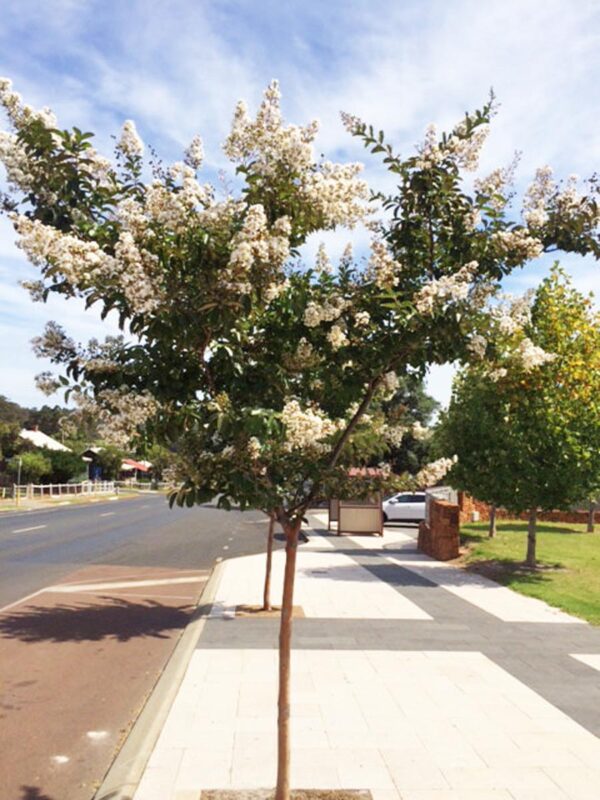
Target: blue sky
<point>178,67</point>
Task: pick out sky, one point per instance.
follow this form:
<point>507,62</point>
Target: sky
<point>177,67</point>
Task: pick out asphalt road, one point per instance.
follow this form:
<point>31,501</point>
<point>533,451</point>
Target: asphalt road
<point>38,548</point>
<point>93,600</point>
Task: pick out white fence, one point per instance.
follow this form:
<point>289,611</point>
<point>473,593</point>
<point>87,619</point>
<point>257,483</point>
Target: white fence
<point>55,490</point>
<point>147,486</point>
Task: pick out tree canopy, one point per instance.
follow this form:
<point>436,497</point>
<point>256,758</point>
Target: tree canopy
<point>262,370</point>
<point>531,439</point>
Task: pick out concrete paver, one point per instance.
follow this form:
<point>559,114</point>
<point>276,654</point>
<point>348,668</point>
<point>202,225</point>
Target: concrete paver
<point>421,692</point>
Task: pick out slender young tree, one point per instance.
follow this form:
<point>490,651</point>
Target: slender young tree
<point>267,587</point>
<point>264,372</point>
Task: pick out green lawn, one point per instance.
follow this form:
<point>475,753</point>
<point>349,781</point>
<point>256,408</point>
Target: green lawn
<point>569,559</point>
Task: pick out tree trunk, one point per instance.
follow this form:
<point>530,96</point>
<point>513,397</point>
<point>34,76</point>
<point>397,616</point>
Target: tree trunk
<point>591,517</point>
<point>492,528</point>
<point>282,791</point>
<point>531,526</point>
<point>267,589</point>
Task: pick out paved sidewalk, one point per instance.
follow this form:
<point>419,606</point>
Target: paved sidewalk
<point>410,678</point>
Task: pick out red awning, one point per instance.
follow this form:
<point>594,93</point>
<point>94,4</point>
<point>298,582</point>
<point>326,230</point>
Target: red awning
<point>136,464</point>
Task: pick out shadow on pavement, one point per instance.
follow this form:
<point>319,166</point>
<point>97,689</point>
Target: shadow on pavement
<point>33,793</point>
<point>117,619</point>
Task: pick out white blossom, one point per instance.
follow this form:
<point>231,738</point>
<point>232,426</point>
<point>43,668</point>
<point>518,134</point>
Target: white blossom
<point>497,374</point>
<point>256,243</point>
<point>336,193</point>
<point>518,244</point>
<point>47,383</point>
<point>15,160</point>
<point>352,123</point>
<point>347,256</point>
<point>138,268</point>
<point>337,337</point>
<point>394,434</point>
<point>390,382</point>
<point>304,350</point>
<point>122,414</point>
<point>537,196</point>
<point>420,432</point>
<point>382,268</point>
<point>466,149</point>
<point>432,473</point>
<point>362,319</point>
<point>19,114</point>
<point>329,311</point>
<point>447,289</point>
<point>532,356</point>
<point>254,448</point>
<point>322,262</point>
<point>130,143</point>
<point>495,187</point>
<point>80,262</point>
<point>194,155</point>
<point>477,346</point>
<point>36,290</point>
<point>429,151</point>
<point>306,428</point>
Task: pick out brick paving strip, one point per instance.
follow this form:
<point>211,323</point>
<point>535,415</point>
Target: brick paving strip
<point>427,690</point>
<point>77,662</point>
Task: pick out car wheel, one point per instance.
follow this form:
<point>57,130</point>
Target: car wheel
<point>385,517</point>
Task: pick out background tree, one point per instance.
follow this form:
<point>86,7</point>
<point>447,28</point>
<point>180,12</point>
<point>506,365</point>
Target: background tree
<point>415,409</point>
<point>161,459</point>
<point>33,466</point>
<point>64,466</point>
<point>12,413</point>
<point>527,430</point>
<point>261,370</point>
<point>109,459</point>
<point>47,419</point>
<point>9,439</point>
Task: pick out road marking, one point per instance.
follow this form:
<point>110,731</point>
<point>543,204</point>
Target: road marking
<point>95,735</point>
<point>25,530</point>
<point>60,759</point>
<point>108,514</point>
<point>21,600</point>
<point>86,587</point>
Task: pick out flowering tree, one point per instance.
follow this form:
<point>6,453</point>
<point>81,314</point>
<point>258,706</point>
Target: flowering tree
<point>266,373</point>
<point>526,423</point>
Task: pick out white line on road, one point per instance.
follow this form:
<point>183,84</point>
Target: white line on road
<point>21,600</point>
<point>82,587</point>
<point>25,530</point>
<point>108,514</point>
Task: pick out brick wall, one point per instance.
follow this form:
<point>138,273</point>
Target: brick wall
<point>468,504</point>
<point>440,539</point>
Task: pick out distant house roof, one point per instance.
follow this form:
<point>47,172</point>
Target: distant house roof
<point>39,439</point>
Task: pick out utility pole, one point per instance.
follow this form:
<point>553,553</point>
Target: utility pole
<point>19,481</point>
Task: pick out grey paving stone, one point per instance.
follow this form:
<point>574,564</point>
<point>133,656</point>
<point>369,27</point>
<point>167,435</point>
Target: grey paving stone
<point>538,654</point>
